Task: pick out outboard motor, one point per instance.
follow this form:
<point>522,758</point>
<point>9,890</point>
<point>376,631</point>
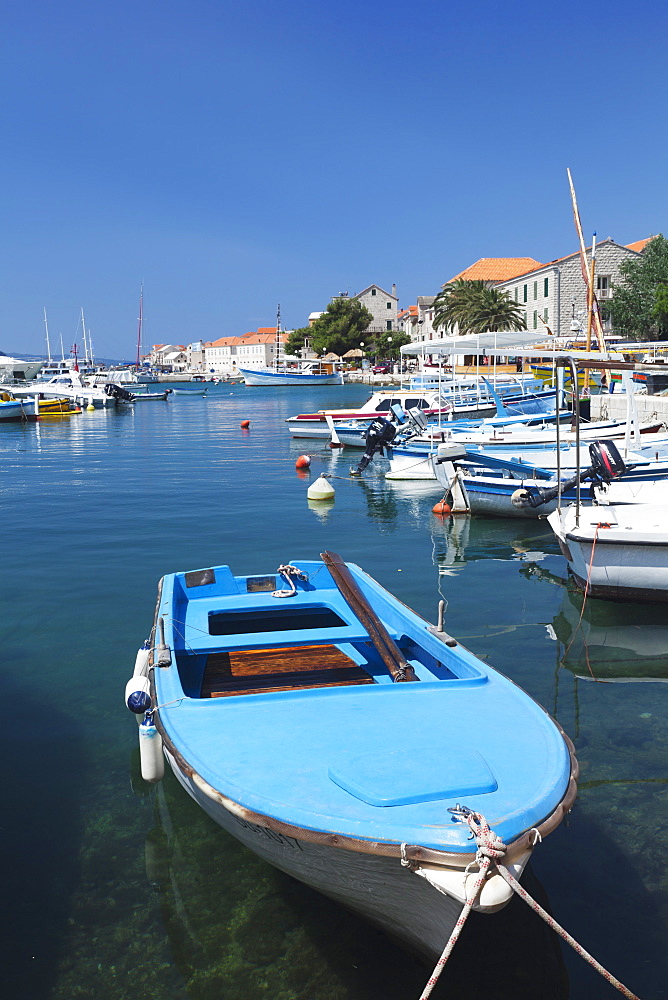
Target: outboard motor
<point>606,464</point>
<point>380,433</point>
<point>118,393</point>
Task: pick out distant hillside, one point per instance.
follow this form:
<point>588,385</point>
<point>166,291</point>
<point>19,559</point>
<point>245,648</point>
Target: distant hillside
<point>103,362</point>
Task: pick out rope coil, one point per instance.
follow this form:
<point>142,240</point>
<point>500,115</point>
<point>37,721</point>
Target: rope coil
<point>289,574</point>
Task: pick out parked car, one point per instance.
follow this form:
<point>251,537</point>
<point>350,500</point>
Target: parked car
<point>382,369</point>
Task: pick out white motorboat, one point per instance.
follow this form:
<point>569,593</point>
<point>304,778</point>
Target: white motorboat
<point>617,551</point>
<point>16,369</point>
<point>71,386</point>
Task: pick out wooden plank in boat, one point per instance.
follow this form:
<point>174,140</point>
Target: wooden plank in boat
<point>286,668</point>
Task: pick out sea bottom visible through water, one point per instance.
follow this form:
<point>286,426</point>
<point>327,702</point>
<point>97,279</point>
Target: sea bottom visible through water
<point>112,889</point>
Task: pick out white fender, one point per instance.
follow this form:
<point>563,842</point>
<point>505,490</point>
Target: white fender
<point>138,695</point>
<point>141,662</point>
<point>150,752</point>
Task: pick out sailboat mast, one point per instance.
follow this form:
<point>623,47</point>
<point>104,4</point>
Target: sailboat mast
<point>83,333</point>
<point>141,318</point>
<point>278,334</point>
<point>48,343</point>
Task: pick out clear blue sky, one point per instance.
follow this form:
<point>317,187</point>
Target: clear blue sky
<point>236,155</point>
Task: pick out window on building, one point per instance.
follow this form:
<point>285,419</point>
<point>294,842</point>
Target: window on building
<point>525,293</point>
<point>535,289</point>
<point>546,287</point>
<point>535,319</point>
<point>389,305</point>
<point>373,291</point>
<point>388,325</point>
<point>603,289</point>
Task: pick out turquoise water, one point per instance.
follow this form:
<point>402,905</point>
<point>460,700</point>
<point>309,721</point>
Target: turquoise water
<point>113,890</point>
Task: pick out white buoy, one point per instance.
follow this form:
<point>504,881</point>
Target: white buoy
<point>321,489</point>
<point>138,695</point>
<point>150,751</point>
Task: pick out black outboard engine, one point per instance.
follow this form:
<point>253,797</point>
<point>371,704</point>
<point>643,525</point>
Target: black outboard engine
<point>118,393</point>
<point>606,464</point>
<point>379,434</point>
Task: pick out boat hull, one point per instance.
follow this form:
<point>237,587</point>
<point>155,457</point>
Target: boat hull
<point>378,888</point>
<point>259,377</point>
<point>16,410</point>
<point>616,552</point>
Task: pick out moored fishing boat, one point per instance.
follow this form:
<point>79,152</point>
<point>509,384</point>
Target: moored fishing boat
<point>328,728</point>
<point>617,551</point>
<point>15,410</point>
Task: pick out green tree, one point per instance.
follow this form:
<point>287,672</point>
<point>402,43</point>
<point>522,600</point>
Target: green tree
<point>475,307</point>
<point>638,307</point>
<point>339,329</point>
<point>386,345</point>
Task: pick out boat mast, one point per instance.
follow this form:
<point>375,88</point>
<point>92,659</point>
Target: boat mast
<point>278,335</point>
<point>141,318</point>
<point>83,333</point>
<point>48,343</point>
<point>74,351</point>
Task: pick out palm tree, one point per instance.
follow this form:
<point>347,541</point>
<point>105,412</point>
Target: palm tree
<point>474,307</point>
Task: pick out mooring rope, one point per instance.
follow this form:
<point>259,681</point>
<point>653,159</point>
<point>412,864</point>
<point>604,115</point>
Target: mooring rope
<point>490,848</point>
<point>601,524</point>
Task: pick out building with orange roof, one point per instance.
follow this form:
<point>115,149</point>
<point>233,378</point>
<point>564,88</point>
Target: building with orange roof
<point>554,295</point>
<point>640,245</point>
<point>495,269</point>
<point>224,355</point>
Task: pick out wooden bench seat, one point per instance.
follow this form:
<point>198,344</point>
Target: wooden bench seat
<point>280,669</point>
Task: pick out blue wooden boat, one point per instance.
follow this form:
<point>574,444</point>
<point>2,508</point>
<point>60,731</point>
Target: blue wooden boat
<point>336,733</point>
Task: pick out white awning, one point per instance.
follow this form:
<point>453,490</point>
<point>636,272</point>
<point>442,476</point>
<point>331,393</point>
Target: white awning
<point>503,342</point>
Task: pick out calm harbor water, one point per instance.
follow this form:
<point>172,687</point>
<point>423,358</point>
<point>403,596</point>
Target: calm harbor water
<point>113,890</point>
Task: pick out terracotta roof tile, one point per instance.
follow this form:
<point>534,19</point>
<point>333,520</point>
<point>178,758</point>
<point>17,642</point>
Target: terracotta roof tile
<point>639,245</point>
<point>497,269</point>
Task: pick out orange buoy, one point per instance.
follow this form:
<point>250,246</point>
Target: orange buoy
<point>441,508</point>
<point>245,424</point>
<point>303,462</point>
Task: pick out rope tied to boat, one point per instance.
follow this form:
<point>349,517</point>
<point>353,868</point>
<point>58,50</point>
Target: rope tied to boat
<point>289,574</point>
<point>489,849</point>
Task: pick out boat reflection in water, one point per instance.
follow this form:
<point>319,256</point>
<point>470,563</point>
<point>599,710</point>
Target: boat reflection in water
<point>617,643</point>
<point>239,928</point>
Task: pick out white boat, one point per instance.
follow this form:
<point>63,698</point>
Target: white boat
<point>70,386</point>
<point>617,551</point>
<point>379,404</point>
<point>18,410</point>
<point>307,373</point>
<point>12,369</point>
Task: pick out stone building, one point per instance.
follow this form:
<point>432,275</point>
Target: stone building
<point>555,294</point>
<point>383,307</point>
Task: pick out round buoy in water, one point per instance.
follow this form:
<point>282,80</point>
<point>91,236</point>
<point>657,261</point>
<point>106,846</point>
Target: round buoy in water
<point>320,489</point>
<point>90,407</point>
<point>150,751</point>
<point>303,462</point>
<point>245,424</point>
<point>441,508</point>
